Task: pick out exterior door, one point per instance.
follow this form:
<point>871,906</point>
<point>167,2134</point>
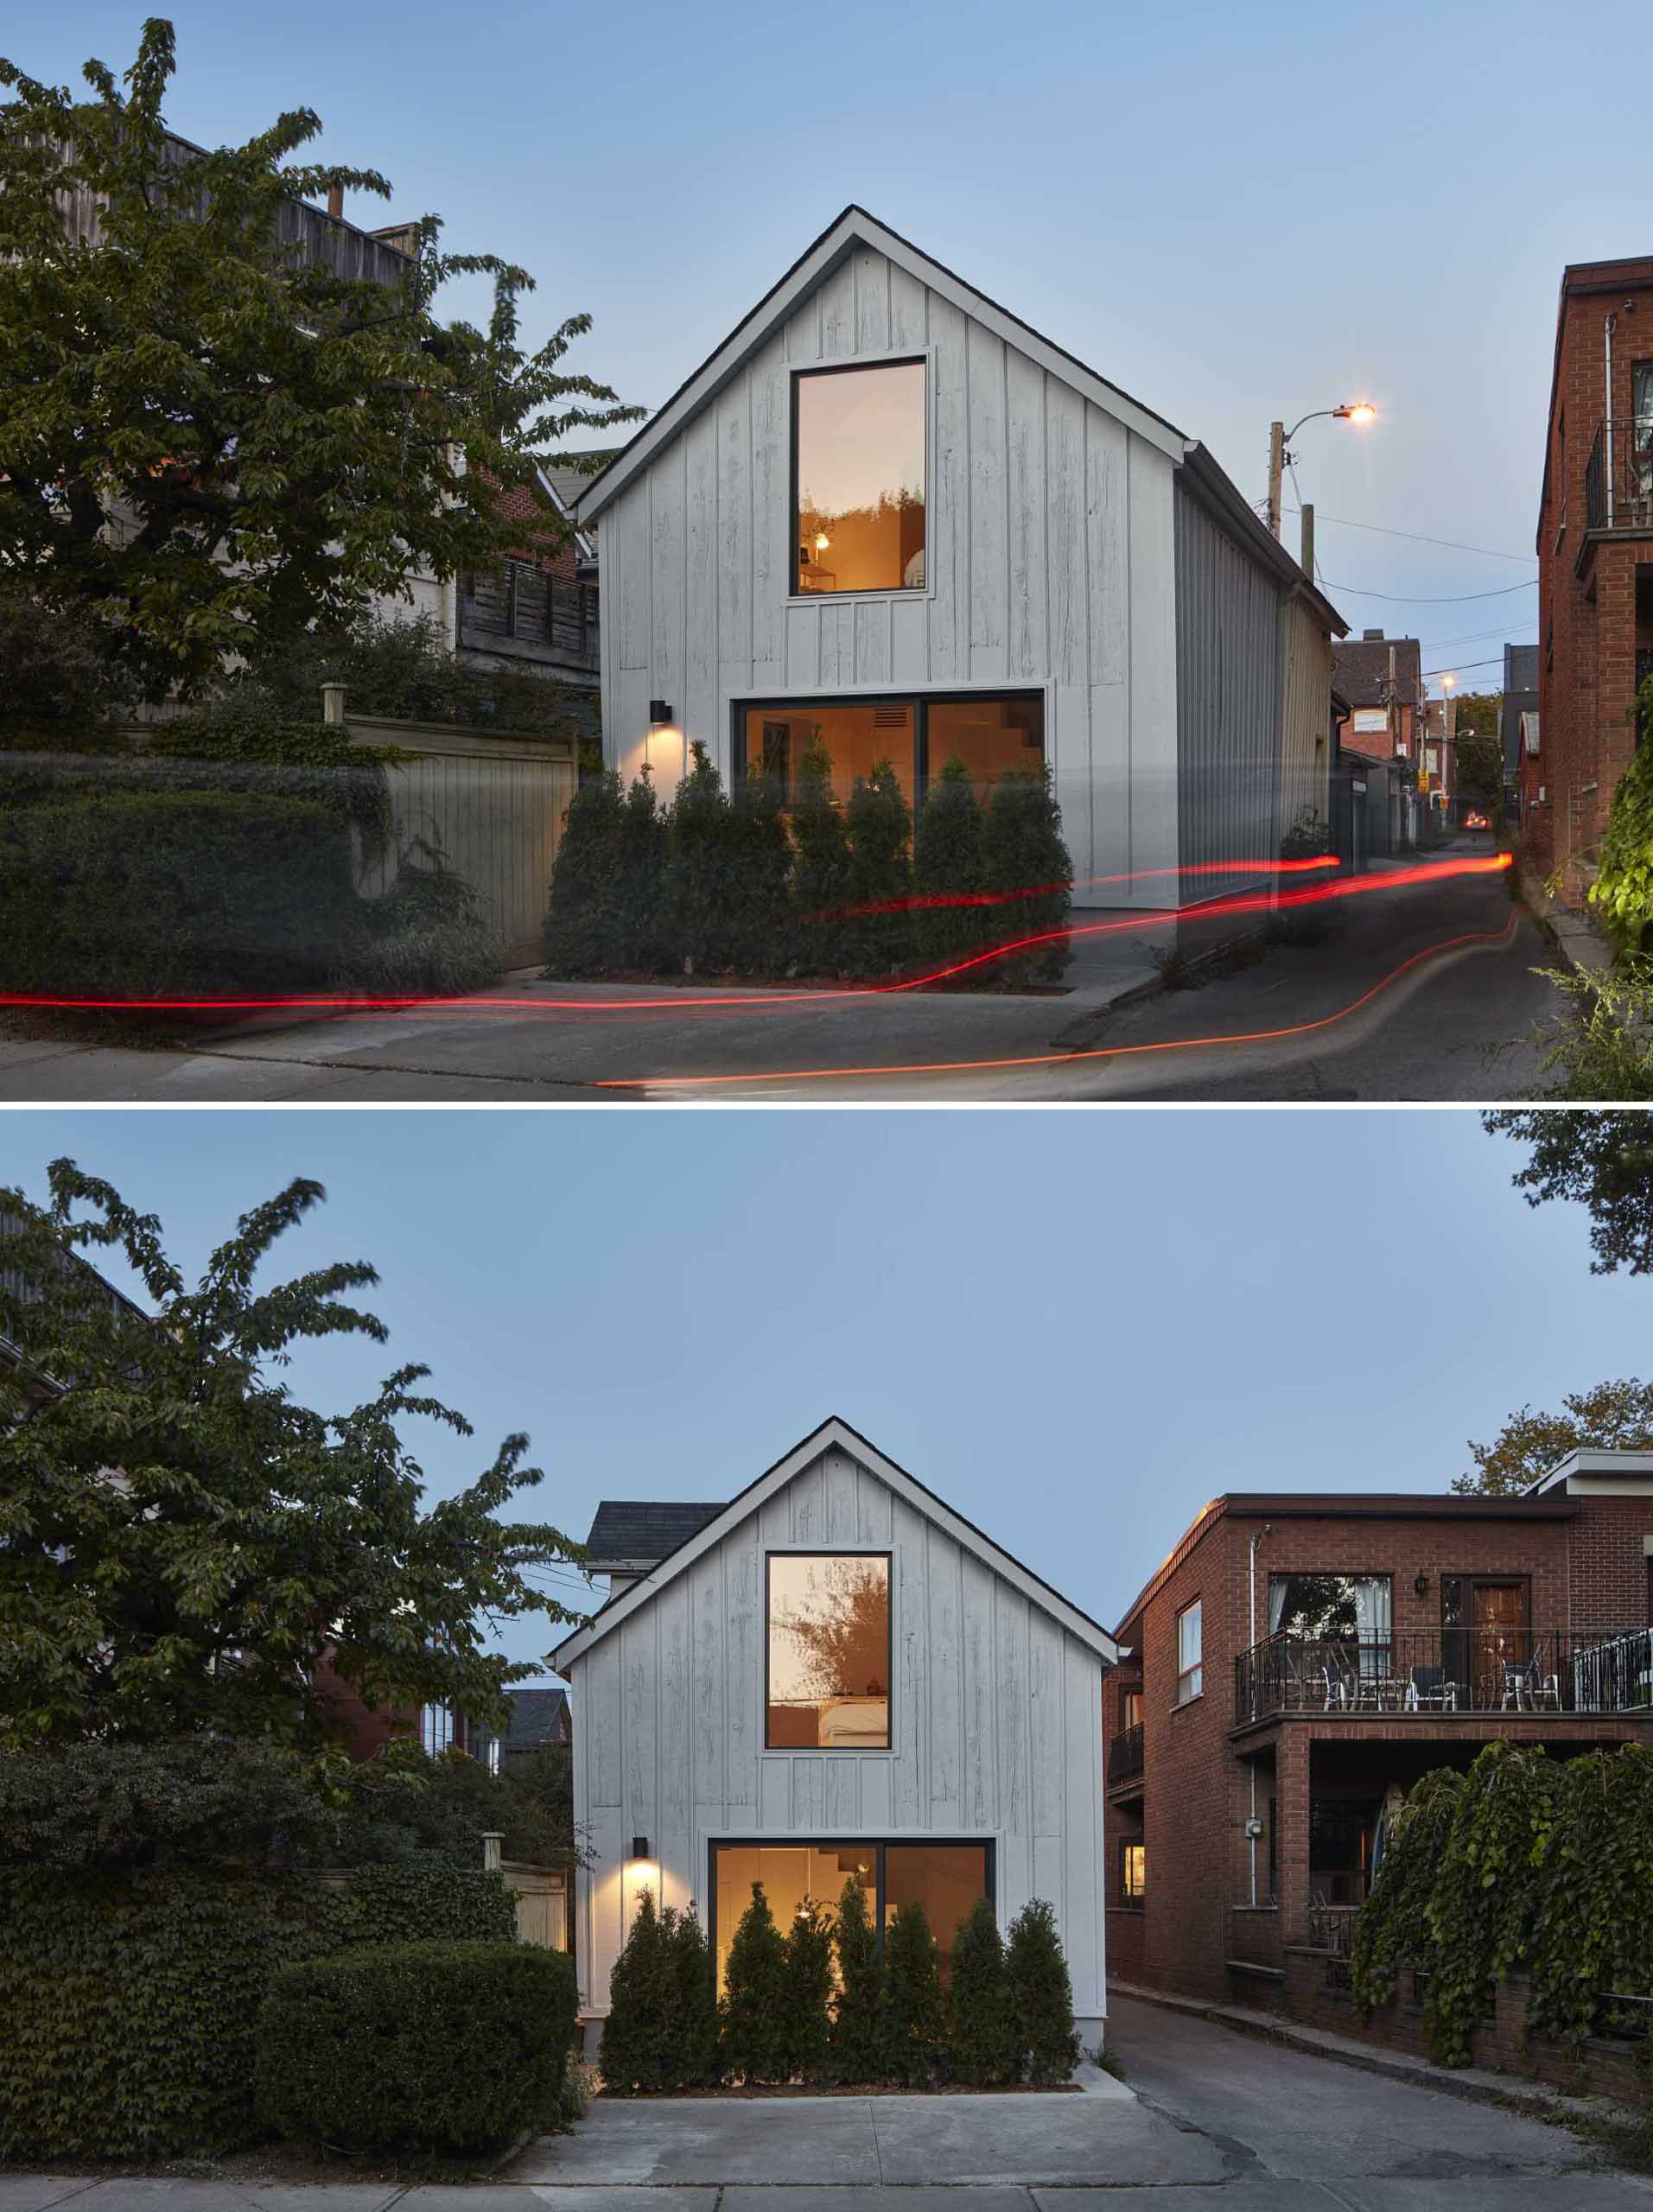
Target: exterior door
<point>1499,1636</point>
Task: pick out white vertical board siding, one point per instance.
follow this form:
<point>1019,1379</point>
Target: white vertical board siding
<point>1049,557</point>
<point>995,1717</point>
<point>1227,680</point>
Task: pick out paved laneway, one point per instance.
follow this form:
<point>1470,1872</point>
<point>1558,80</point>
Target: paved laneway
<point>1419,990</point>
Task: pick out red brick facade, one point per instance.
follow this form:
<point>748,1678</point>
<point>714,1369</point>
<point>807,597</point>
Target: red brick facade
<point>1224,1906</point>
<point>1595,588</point>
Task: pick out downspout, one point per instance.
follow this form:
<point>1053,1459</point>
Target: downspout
<point>1608,344</point>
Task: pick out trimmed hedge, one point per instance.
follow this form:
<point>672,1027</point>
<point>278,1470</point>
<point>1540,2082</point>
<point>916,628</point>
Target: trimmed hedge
<point>129,2001</point>
<point>430,2047</point>
<point>167,893</point>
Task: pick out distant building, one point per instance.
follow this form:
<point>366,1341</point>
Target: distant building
<point>1595,565</point>
<point>1382,680</point>
<point>1518,720</point>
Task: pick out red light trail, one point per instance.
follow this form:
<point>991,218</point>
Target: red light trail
<point>679,1001</point>
<point>1095,1052</point>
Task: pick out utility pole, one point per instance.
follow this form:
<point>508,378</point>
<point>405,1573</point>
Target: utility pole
<point>1307,562</point>
<point>1277,470</point>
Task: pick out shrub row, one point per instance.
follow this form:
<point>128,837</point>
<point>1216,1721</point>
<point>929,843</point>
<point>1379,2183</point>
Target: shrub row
<point>714,885</point>
<point>129,2001</point>
<point>451,2048</point>
<point>823,2003</point>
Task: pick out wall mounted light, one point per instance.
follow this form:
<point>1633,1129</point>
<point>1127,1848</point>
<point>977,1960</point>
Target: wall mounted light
<point>660,711</point>
<point>640,1846</point>
<point>1421,1584</point>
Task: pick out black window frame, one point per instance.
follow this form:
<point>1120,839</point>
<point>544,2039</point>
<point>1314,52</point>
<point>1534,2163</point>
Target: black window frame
<point>877,1844</point>
<point>920,701</point>
<point>1131,1901</point>
<point>795,590</point>
<point>837,1751</point>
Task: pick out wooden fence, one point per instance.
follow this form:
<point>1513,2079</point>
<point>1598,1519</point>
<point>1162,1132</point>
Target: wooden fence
<point>492,802</point>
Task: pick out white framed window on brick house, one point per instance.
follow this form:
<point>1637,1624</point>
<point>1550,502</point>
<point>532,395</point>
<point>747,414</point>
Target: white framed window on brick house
<point>1191,1674</point>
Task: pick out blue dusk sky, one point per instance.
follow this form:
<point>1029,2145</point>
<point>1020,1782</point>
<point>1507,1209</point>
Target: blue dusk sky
<point>1076,1328</point>
<point>1234,212</point>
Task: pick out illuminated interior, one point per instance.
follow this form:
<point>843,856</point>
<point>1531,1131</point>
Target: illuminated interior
<point>945,1879</point>
<point>829,1679</point>
<point>992,733</point>
<point>860,481</point>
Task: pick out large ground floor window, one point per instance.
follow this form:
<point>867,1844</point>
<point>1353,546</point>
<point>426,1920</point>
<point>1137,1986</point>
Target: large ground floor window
<point>991,732</point>
<point>944,1877</point>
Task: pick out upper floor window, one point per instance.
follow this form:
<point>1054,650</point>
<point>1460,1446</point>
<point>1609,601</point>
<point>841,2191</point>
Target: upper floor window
<point>858,479</point>
<point>436,1729</point>
<point>1191,1673</point>
<point>829,1651</point>
<point>1345,1608</point>
<point>1132,1871</point>
<point>1130,1708</point>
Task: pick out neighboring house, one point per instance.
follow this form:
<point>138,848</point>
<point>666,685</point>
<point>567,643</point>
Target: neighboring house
<point>1518,722</point>
<point>888,518</point>
<point>538,1717</point>
<point>1298,1659</point>
<point>1437,766</point>
<point>630,1536</point>
<point>1595,564</point>
<point>1382,681</point>
<point>836,1677</point>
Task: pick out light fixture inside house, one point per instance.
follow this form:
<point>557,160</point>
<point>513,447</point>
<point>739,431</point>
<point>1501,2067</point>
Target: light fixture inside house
<point>640,1846</point>
<point>822,542</point>
<point>1421,1584</point>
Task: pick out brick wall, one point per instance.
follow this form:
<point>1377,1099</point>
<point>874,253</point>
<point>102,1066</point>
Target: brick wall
<point>1608,1583</point>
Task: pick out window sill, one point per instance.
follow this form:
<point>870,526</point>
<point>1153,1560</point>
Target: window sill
<point>829,1751</point>
<point>1182,1704</point>
<point>880,593</point>
<point>1136,1908</point>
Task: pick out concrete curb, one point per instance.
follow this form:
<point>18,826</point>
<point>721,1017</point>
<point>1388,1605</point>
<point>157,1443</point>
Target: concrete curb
<point>1475,2085</point>
<point>1573,936</point>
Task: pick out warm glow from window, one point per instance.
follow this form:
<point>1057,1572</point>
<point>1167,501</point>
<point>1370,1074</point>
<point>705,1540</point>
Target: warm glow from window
<point>859,487</point>
<point>829,1685</point>
<point>1133,1873</point>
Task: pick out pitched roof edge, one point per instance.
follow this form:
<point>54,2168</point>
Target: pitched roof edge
<point>1204,474</point>
<point>621,1605</point>
<point>855,224</point>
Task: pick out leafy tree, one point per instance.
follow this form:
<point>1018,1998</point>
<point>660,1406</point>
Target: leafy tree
<point>1041,1994</point>
<point>699,889</point>
<point>690,2002</point>
<point>604,916</point>
<point>1603,1161</point>
<point>60,683</point>
<point>1615,1416</point>
<point>641,857</point>
<point>914,2016</point>
<point>855,2039</point>
<point>244,1537</point>
<point>1477,760</point>
<point>1023,851</point>
<point>981,2031</point>
<point>820,865</point>
<point>211,442</point>
<point>879,878</point>
<point>633,2054</point>
<point>758,862</point>
<point>947,870</point>
<point>754,2033</point>
<point>1393,1930</point>
<point>809,1986</point>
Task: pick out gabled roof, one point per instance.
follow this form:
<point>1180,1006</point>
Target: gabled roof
<point>1360,670</point>
<point>836,1434</point>
<point>853,228</point>
<point>631,1534</point>
<point>538,1716</point>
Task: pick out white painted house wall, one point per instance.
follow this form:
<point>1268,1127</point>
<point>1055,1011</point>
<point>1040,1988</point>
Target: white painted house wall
<point>1050,557</point>
<point>995,1720</point>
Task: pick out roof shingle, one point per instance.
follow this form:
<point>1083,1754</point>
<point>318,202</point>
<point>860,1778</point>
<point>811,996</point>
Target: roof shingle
<point>629,1534</point>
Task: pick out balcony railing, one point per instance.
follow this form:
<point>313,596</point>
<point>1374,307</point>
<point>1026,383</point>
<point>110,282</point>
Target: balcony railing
<point>1618,494</point>
<point>1125,1755</point>
<point>1428,1673</point>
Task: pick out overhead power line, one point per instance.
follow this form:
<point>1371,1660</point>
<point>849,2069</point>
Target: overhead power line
<point>1451,599</point>
<point>1417,538</point>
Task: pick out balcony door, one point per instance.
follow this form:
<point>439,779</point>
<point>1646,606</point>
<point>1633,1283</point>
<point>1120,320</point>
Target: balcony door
<point>1486,1627</point>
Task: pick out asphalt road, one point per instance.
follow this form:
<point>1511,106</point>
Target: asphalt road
<point>1417,991</point>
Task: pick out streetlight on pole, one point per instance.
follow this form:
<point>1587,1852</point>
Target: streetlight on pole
<point>1280,438</point>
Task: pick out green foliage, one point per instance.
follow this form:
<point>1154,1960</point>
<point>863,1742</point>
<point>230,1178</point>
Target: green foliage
<point>214,442</point>
<point>808,1987</point>
<point>914,2015</point>
<point>1525,1863</point>
<point>427,935</point>
<point>1041,1994</point>
<point>634,2054</point>
<point>690,2002</point>
<point>119,895</point>
<point>755,2035</point>
<point>1307,836</point>
<point>60,681</point>
<point>1623,889</point>
<point>947,867</point>
<point>699,884</point>
<point>1601,1044</point>
<point>587,925</point>
<point>129,2000</point>
<point>427,2048</point>
<point>820,865</point>
<point>1603,1161</point>
<point>1023,852</point>
<point>758,873</point>
<point>251,1537</point>
<point>982,2043</point>
<point>856,2037</point>
<point>1615,1416</point>
<point>1478,762</point>
<point>879,828</point>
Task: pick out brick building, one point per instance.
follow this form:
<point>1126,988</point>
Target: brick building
<point>1595,554</point>
<point>1297,1659</point>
